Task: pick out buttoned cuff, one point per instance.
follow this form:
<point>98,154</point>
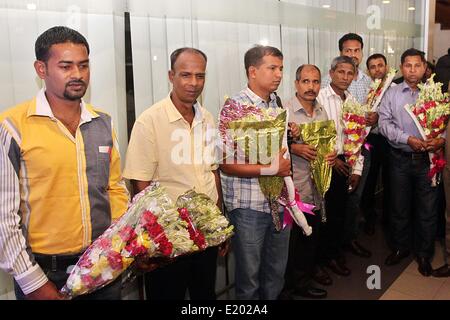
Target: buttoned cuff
<point>32,279</point>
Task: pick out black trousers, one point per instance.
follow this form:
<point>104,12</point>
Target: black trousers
<point>302,254</point>
<point>196,273</point>
<point>414,203</point>
<point>331,239</point>
<point>379,161</point>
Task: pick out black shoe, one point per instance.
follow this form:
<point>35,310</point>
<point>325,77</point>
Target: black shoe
<point>322,277</point>
<point>441,272</point>
<point>395,257</point>
<point>424,266</point>
<point>358,250</point>
<point>338,268</point>
<point>311,292</point>
<point>369,228</point>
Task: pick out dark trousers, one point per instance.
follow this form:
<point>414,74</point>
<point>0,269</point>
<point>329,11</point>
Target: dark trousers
<point>379,161</point>
<point>302,254</point>
<point>59,277</point>
<point>331,238</point>
<point>195,272</point>
<point>414,203</point>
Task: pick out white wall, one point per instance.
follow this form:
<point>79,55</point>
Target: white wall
<point>441,42</point>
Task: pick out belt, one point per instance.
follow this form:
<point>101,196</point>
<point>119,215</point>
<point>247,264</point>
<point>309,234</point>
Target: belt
<point>411,155</point>
<point>56,262</point>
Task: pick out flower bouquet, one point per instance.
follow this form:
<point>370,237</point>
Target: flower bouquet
<point>151,227</point>
<point>431,114</point>
<point>256,136</point>
<point>354,120</point>
<point>322,136</point>
<point>207,226</point>
<point>377,90</point>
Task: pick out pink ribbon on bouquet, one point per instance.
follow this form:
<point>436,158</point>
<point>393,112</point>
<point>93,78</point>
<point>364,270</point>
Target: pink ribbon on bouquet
<point>368,146</point>
<point>304,207</point>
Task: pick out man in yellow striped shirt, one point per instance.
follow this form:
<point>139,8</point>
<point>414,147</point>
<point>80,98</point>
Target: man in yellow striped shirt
<point>60,179</point>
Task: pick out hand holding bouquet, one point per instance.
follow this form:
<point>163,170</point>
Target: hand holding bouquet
<point>258,135</point>
<point>151,227</point>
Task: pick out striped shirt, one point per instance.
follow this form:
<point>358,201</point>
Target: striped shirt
<point>58,192</point>
<point>332,103</point>
<point>245,193</point>
<point>359,88</point>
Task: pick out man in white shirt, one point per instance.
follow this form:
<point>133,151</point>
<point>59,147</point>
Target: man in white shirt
<point>344,177</point>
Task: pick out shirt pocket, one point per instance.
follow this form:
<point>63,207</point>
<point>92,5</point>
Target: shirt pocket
<point>102,172</point>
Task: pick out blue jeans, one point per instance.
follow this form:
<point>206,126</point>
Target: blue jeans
<point>414,203</point>
<point>261,255</point>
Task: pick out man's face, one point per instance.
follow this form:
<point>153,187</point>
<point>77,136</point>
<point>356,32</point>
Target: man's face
<point>343,76</point>
<point>377,68</point>
<point>188,76</point>
<point>66,73</point>
<point>413,69</point>
<point>308,86</point>
<point>352,49</point>
<point>267,76</point>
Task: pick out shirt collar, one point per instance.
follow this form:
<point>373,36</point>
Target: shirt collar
<point>257,100</point>
<point>330,92</point>
<point>405,87</point>
<point>42,108</point>
<point>175,115</point>
<point>298,106</point>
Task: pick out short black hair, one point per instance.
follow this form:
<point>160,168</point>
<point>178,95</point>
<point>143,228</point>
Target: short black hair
<point>56,35</point>
<point>350,36</point>
<point>300,69</point>
<point>411,52</point>
<point>254,56</point>
<point>174,55</point>
<point>376,56</point>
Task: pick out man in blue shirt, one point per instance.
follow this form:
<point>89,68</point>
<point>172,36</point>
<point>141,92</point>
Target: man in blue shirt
<point>409,167</point>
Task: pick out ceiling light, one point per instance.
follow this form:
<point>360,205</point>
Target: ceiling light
<point>411,8</point>
<point>31,6</point>
<point>326,6</point>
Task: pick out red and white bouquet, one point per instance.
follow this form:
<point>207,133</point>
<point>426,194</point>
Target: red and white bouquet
<point>151,227</point>
<point>354,120</point>
<point>431,114</point>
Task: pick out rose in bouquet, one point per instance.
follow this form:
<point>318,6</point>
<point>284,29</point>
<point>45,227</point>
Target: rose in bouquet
<point>322,136</point>
<point>377,90</point>
<point>151,227</point>
<point>354,121</point>
<point>431,114</point>
<point>207,225</point>
<point>256,136</point>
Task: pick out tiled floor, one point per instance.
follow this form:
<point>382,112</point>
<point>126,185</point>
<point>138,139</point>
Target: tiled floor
<point>411,285</point>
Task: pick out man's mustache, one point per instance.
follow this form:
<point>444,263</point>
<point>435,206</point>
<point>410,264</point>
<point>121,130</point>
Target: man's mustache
<point>76,82</point>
